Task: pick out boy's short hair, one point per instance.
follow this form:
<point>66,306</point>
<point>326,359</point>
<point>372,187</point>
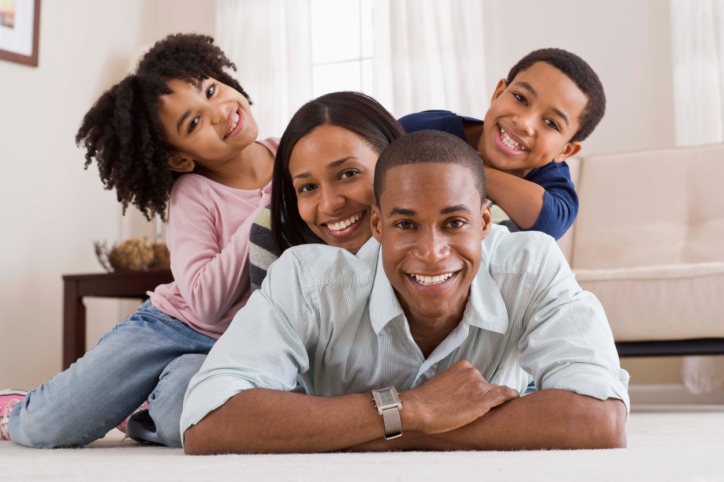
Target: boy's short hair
<point>578,70</point>
<point>429,146</point>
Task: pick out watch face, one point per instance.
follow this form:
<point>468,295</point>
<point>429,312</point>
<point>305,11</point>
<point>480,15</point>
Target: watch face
<point>386,397</point>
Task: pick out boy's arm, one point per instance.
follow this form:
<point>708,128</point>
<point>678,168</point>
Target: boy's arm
<point>545,202</point>
<point>521,200</point>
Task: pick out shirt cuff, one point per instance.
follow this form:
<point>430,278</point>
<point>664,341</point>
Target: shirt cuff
<point>206,396</point>
<point>596,382</point>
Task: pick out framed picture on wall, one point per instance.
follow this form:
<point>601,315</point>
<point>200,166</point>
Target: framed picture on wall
<point>20,31</point>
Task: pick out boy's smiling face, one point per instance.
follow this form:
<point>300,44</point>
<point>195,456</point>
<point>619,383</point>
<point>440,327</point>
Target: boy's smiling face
<point>531,121</point>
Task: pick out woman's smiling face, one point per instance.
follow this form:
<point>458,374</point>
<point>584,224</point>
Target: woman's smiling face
<point>332,170</point>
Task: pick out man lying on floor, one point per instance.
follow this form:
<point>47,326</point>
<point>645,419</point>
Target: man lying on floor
<point>421,341</point>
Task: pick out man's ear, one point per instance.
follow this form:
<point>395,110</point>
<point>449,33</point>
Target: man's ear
<point>486,218</point>
<point>376,223</point>
<point>179,163</point>
<point>499,89</point>
<point>571,149</point>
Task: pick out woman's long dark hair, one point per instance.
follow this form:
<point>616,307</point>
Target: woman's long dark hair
<point>353,111</point>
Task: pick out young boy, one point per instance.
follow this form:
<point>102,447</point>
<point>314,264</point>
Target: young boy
<point>551,101</point>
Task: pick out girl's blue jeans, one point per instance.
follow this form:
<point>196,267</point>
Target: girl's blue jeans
<point>149,356</point>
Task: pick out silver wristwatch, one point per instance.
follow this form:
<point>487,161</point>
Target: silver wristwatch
<point>389,405</point>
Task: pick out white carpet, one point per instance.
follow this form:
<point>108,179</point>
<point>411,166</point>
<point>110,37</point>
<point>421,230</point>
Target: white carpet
<point>662,446</point>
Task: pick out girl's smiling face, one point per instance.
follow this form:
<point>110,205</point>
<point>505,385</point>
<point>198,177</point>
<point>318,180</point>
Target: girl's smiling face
<point>332,170</point>
<point>208,123</point>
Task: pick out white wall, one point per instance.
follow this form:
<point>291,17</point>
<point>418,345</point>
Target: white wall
<point>628,43</point>
<point>52,209</point>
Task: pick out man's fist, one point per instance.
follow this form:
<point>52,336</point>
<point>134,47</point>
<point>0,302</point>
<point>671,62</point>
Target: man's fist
<point>454,398</point>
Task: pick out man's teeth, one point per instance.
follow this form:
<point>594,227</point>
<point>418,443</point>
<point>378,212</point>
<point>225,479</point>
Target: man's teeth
<point>234,123</point>
<point>344,224</point>
<point>431,280</point>
<point>508,141</point>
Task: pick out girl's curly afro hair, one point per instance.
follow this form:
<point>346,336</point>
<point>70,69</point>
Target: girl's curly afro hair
<point>123,130</point>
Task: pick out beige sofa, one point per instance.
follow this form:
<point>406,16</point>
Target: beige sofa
<point>649,243</point>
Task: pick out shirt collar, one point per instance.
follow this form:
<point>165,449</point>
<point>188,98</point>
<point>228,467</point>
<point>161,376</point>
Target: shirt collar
<point>485,308</point>
<point>384,306</point>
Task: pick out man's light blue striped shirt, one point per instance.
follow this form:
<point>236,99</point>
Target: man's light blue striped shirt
<point>328,323</point>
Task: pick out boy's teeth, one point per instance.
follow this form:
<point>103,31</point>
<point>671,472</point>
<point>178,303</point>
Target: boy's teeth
<point>343,224</point>
<point>431,280</point>
<point>234,123</point>
<point>508,141</point>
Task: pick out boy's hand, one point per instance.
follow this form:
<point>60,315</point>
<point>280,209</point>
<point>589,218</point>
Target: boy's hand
<point>454,398</point>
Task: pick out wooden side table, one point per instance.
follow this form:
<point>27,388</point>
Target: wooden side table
<point>125,284</point>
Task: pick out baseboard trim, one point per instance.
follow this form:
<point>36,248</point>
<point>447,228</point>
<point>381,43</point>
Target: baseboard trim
<point>672,397</point>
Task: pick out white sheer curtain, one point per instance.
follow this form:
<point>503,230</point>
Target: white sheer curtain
<point>429,54</point>
<point>698,56</point>
<point>269,41</point>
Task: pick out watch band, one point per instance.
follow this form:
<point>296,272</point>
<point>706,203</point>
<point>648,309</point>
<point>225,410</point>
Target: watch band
<point>388,404</point>
<point>393,424</point>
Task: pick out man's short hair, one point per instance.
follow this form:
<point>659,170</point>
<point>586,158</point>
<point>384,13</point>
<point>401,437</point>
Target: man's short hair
<point>429,147</point>
<point>578,70</point>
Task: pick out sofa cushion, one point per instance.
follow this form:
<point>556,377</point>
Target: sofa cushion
<point>666,302</point>
<point>649,208</point>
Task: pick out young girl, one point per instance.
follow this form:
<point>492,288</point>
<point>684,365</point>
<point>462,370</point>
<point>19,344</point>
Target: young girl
<point>177,133</point>
<point>323,176</point>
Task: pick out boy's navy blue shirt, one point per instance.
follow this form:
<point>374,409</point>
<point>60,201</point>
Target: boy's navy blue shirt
<point>560,201</point>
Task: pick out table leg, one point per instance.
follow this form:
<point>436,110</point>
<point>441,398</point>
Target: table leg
<point>73,324</point>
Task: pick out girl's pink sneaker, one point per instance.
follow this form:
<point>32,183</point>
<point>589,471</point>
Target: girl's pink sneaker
<point>8,400</point>
<point>122,426</point>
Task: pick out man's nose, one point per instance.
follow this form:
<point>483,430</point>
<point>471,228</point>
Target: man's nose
<point>432,246</point>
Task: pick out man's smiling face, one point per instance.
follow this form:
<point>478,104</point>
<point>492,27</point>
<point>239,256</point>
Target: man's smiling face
<point>431,221</point>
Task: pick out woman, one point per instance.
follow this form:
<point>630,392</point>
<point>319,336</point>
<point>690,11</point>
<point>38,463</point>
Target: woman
<point>323,177</point>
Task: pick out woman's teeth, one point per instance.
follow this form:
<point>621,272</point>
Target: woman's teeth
<point>509,142</point>
<point>234,123</point>
<point>344,224</point>
<point>431,280</point>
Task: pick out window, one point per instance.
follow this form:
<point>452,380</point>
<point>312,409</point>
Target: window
<point>341,46</point>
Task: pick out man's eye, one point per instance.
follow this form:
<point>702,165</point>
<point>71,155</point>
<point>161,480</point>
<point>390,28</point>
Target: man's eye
<point>210,91</point>
<point>192,125</point>
<point>457,223</point>
<point>404,225</point>
<point>552,124</point>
